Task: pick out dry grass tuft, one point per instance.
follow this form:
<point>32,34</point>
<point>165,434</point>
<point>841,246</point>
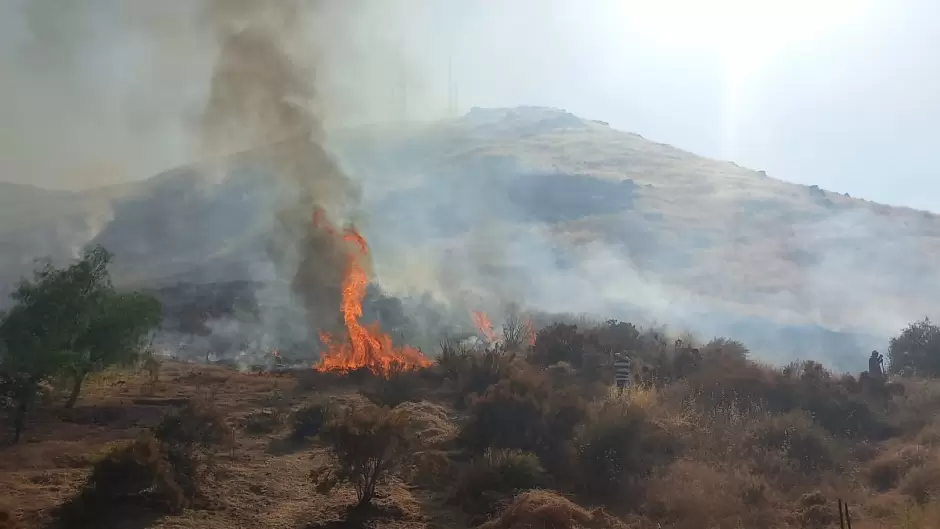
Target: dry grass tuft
<point>691,494</point>
<point>540,509</point>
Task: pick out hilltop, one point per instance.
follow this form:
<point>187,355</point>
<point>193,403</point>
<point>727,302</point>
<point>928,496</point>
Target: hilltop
<point>538,205</point>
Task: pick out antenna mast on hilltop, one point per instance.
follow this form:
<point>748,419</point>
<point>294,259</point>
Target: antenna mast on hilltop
<point>453,109</point>
<point>403,88</point>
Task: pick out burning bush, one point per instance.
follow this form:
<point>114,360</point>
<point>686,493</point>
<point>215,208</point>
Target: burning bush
<point>366,442</point>
<point>363,345</point>
<point>495,477</point>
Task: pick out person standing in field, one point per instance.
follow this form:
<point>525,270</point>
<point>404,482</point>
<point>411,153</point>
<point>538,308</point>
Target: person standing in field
<point>621,372</point>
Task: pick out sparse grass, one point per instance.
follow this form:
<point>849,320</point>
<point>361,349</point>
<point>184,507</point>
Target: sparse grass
<point>495,477</point>
<point>729,444</point>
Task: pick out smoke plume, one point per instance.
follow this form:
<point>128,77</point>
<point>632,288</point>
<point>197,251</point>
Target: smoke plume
<point>262,98</point>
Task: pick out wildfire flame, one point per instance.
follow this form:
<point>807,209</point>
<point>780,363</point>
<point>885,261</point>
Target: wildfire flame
<point>483,324</point>
<point>364,345</point>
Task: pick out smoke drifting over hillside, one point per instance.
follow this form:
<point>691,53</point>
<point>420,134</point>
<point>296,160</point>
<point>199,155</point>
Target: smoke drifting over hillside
<point>262,98</point>
<point>528,205</point>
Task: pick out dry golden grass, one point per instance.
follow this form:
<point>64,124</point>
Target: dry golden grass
<point>539,509</point>
<point>258,488</point>
<point>714,480</point>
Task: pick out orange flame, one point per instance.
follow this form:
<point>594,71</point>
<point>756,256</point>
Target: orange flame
<point>482,323</point>
<point>365,345</point>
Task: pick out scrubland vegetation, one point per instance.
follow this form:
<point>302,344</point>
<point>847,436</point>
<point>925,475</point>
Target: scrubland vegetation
<point>508,437</point>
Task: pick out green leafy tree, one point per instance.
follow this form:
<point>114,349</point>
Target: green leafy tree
<point>116,335</point>
<point>916,351</point>
<point>67,321</point>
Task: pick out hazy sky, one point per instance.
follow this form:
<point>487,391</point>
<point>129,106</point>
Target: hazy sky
<point>844,94</point>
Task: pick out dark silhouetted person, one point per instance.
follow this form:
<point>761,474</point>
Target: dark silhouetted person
<point>876,364</point>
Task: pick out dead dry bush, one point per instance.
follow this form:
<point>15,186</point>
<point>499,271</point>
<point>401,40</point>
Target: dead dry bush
<point>263,422</point>
<point>309,419</point>
<point>190,437</point>
<point>805,386</point>
<point>490,480</point>
<point>430,469</point>
<point>472,373</point>
<point>886,471</point>
<point>690,494</point>
<point>400,385</point>
<point>560,342</point>
<point>803,446</point>
<point>815,511</point>
<point>540,509</point>
<point>922,483</point>
<point>619,447</point>
<point>138,475</point>
<point>367,443</point>
<point>431,426</point>
<point>527,412</point>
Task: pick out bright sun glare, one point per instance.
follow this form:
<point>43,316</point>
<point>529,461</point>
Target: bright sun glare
<point>743,34</point>
<point>743,37</point>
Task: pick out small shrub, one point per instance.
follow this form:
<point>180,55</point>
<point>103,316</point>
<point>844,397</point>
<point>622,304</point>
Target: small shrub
<point>690,494</point>
<point>496,476</point>
<point>263,422</point>
<point>431,469</point>
<point>477,372</point>
<point>307,421</point>
<point>545,509</point>
<point>916,351</point>
<point>804,444</point>
<point>366,442</point>
<point>886,471</point>
<point>399,386</point>
<point>136,475</point>
<point>559,342</point>
<point>618,449</point>
<point>195,427</point>
<point>815,511</point>
<point>189,438</point>
<point>526,412</point>
<point>922,483</point>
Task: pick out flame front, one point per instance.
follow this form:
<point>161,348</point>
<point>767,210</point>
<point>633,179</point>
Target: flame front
<point>483,324</point>
<point>365,345</point>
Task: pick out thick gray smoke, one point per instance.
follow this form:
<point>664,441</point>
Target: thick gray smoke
<point>262,98</point>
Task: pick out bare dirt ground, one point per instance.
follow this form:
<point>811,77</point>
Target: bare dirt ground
<point>262,483</point>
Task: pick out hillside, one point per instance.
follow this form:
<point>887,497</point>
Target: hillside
<point>540,206</point>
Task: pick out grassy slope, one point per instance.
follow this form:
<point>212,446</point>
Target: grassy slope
<point>714,235</point>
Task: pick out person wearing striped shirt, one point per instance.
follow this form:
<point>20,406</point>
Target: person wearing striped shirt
<point>621,371</point>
